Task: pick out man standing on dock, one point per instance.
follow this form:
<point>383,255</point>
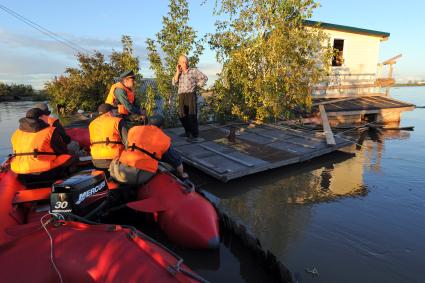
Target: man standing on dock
<point>188,80</point>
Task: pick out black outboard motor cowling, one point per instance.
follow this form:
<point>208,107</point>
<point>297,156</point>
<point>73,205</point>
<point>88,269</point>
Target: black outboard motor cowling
<point>80,194</point>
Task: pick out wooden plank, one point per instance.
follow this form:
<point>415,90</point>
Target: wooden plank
<point>283,145</point>
<point>330,140</point>
<point>392,60</point>
<point>389,101</point>
<point>275,139</point>
<point>291,131</point>
<point>333,101</point>
<point>352,86</point>
<point>379,103</point>
<point>253,138</point>
<point>397,100</point>
<point>261,135</point>
<point>299,144</point>
<point>325,150</point>
<point>311,120</point>
<point>335,105</point>
<point>209,165</point>
<point>249,171</point>
<point>375,111</point>
<point>262,141</point>
<point>356,103</point>
<point>385,82</point>
<point>227,156</point>
<point>206,169</point>
<point>344,95</point>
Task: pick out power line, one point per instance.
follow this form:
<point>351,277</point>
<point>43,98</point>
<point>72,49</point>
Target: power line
<point>45,31</point>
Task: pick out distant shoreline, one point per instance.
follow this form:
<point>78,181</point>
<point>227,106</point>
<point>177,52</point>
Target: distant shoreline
<point>404,85</point>
<point>9,98</point>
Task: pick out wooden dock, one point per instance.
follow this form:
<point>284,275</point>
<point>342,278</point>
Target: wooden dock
<point>255,148</point>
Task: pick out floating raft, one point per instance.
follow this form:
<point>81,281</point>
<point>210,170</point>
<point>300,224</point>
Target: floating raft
<point>363,105</point>
<point>256,148</point>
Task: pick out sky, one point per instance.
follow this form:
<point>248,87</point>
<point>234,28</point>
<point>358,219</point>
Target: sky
<point>31,57</point>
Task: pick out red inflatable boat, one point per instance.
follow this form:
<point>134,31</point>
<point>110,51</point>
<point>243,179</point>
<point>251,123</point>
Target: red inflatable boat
<point>64,251</point>
<point>184,215</point>
<point>35,247</point>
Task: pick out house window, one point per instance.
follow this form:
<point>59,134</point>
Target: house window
<point>338,58</point>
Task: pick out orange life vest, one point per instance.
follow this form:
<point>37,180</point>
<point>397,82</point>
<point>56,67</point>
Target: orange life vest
<point>110,99</point>
<point>32,152</point>
<point>105,139</point>
<point>49,119</point>
<point>146,145</point>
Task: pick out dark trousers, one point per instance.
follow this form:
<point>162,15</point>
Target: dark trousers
<point>50,176</point>
<point>190,123</point>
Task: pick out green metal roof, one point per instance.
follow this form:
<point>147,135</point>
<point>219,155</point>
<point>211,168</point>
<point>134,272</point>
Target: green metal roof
<point>347,28</point>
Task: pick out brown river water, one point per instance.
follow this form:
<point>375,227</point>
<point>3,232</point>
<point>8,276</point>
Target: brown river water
<point>349,216</point>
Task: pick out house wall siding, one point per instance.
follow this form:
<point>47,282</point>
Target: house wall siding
<point>361,52</point>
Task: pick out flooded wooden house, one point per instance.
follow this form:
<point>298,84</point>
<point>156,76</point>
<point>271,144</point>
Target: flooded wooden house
<point>358,87</point>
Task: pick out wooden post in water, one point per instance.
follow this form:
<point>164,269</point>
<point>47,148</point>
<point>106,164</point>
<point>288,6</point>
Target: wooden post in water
<point>390,62</point>
<point>330,140</point>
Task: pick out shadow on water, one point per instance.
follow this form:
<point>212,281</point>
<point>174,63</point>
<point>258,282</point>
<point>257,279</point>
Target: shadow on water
<point>231,262</point>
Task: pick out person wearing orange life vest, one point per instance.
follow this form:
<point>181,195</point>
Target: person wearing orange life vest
<point>39,153</point>
<point>108,137</point>
<point>121,95</point>
<point>52,121</point>
<point>146,146</point>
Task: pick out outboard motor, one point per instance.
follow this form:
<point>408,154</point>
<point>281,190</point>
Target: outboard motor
<point>80,194</point>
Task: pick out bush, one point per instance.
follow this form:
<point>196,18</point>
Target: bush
<point>87,86</point>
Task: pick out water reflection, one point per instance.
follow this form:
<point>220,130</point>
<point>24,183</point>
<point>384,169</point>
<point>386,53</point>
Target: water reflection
<point>271,203</point>
<point>319,180</point>
<point>319,208</point>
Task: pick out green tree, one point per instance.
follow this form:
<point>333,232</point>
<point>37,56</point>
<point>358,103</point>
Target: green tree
<point>125,60</point>
<point>83,87</point>
<point>149,100</point>
<point>86,86</point>
<point>270,59</point>
<point>16,90</point>
<point>174,39</point>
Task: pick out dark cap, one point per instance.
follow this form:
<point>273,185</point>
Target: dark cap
<point>127,74</point>
<point>43,107</point>
<point>104,108</point>
<point>34,113</point>
<point>156,120</point>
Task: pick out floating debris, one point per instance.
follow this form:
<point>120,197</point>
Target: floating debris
<point>312,271</point>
